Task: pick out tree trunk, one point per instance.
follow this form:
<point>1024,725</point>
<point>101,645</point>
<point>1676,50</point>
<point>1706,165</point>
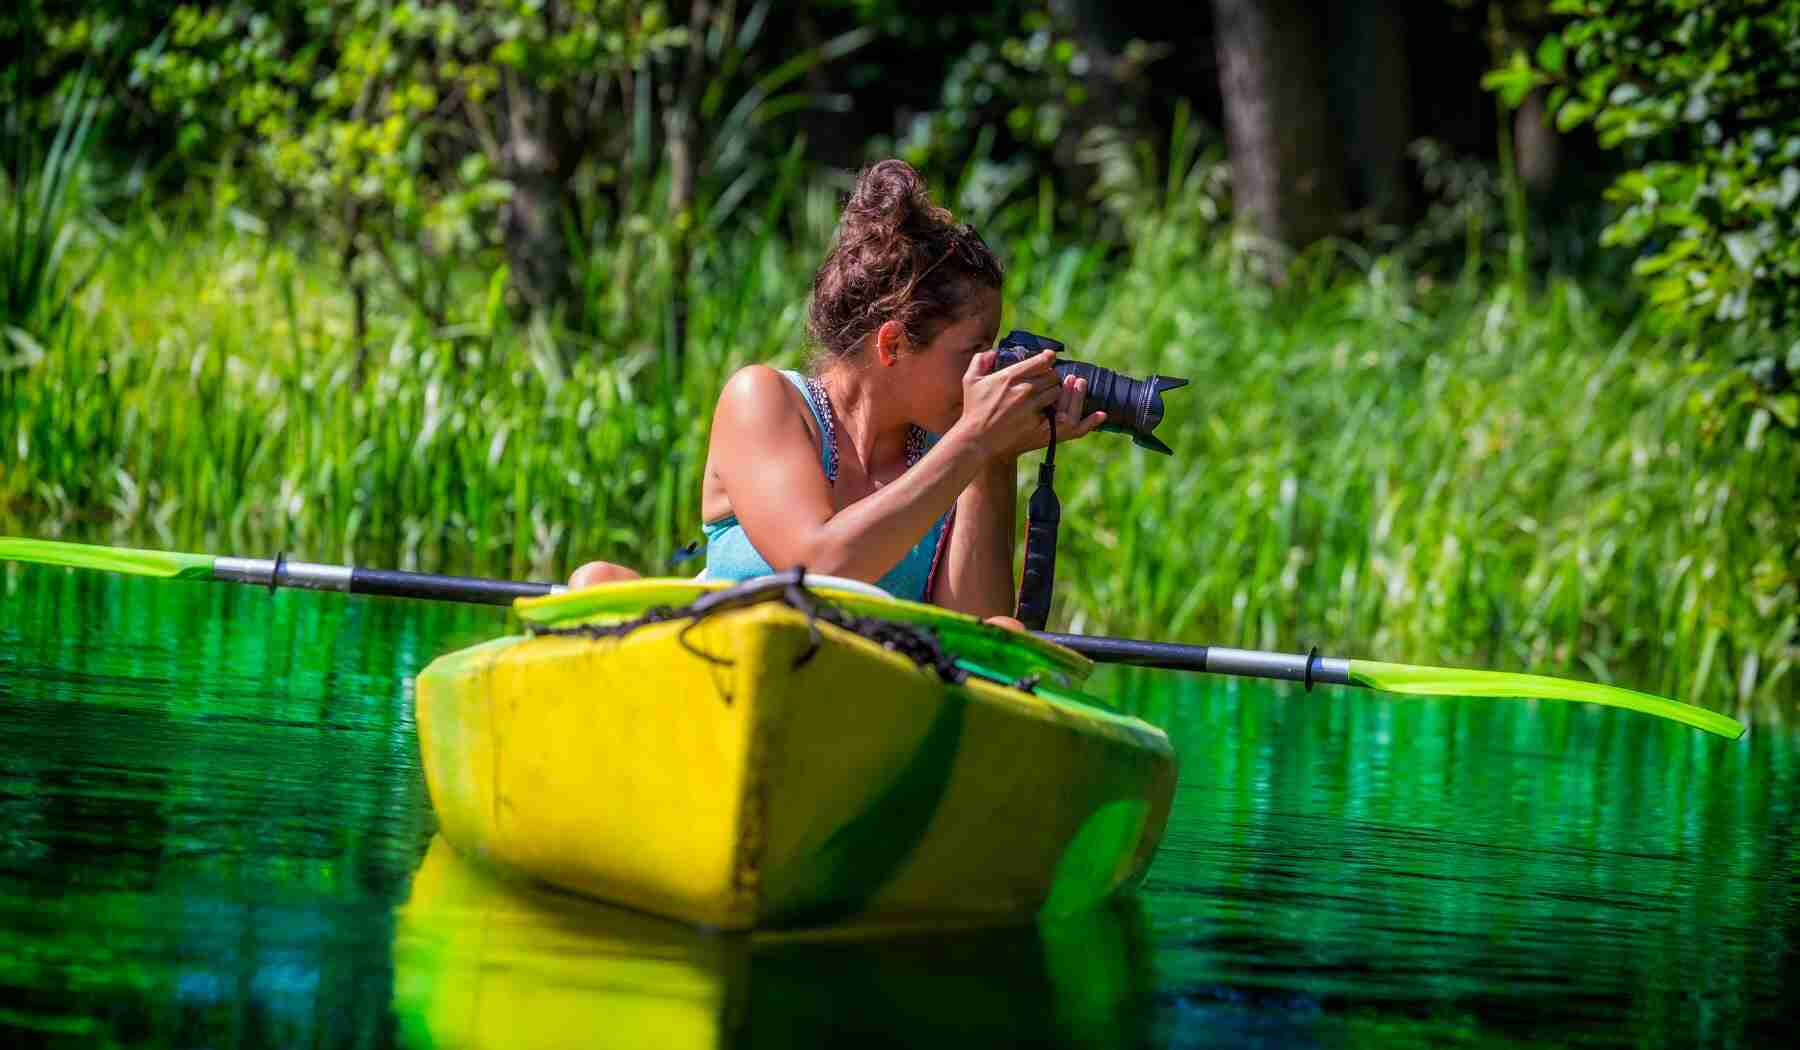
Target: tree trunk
<point>623,266</point>
<point>678,123</point>
<point>1287,177</point>
<point>531,221</point>
<point>1536,150</point>
<point>1371,74</point>
<point>359,296</point>
<point>359,330</point>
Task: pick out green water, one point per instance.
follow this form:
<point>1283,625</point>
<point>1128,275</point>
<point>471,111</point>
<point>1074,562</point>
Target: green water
<point>213,832</point>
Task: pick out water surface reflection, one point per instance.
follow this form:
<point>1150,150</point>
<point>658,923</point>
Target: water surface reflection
<point>213,832</point>
<point>482,962</point>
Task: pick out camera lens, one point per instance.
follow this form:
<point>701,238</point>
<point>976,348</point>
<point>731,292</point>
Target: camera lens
<point>1132,406</point>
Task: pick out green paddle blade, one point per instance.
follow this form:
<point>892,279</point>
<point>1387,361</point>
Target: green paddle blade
<point>1455,681</point>
<point>167,564</point>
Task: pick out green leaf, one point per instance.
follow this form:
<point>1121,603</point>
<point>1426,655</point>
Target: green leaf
<point>1785,408</point>
<point>1668,291</point>
<point>1514,80</point>
<point>1573,113</point>
<point>1651,265</point>
<point>1550,55</point>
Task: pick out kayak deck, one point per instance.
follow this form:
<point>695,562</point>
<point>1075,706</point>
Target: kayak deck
<point>757,768</point>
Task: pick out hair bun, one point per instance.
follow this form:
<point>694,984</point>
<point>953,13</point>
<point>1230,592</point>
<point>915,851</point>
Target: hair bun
<point>889,197</point>
<point>896,256</point>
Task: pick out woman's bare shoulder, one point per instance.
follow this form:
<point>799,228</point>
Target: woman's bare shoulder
<point>762,433</point>
<point>755,386</point>
<point>758,398</point>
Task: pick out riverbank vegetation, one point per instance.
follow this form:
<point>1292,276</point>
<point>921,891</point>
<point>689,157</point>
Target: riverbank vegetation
<point>1475,469</point>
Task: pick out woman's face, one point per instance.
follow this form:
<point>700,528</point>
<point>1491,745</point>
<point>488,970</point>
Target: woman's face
<point>934,373</point>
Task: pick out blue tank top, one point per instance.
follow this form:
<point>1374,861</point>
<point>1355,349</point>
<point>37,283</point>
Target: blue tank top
<point>730,555</point>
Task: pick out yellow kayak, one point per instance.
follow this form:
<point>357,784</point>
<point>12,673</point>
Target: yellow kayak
<point>771,755</point>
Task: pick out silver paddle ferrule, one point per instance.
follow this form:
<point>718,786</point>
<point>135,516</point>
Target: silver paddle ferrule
<point>1289,667</point>
<point>268,573</point>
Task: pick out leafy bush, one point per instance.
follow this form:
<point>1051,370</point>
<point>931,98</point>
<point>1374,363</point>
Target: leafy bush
<point>409,125</point>
<point>1705,97</point>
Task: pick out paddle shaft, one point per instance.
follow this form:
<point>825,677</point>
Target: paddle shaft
<point>1306,668</point>
<point>390,583</point>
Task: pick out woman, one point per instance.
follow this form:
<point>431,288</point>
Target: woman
<point>894,460</point>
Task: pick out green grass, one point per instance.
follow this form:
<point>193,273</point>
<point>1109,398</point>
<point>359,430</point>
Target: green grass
<point>1470,472</point>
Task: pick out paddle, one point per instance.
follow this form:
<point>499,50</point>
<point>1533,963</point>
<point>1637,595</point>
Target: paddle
<point>1307,668</point>
<point>277,573</point>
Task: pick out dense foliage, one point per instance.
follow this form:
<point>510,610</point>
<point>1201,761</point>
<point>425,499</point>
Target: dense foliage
<point>410,139</point>
<point>1704,97</point>
<point>399,283</point>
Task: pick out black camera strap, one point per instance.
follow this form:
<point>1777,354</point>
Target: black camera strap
<point>1042,516</point>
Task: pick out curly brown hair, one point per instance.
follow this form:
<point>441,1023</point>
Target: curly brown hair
<point>897,257</point>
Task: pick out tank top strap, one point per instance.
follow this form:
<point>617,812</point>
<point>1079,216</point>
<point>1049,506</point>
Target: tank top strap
<point>827,454</point>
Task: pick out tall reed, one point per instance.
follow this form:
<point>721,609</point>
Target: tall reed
<point>38,226</point>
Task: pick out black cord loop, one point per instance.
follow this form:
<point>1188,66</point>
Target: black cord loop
<point>917,644</point>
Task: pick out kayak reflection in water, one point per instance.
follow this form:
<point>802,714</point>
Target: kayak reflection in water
<point>893,459</point>
<point>481,961</point>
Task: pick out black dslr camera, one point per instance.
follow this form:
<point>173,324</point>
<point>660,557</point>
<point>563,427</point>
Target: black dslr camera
<point>1132,406</point>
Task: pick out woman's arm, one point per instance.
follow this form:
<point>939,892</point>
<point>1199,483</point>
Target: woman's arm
<point>764,456</point>
<point>977,574</point>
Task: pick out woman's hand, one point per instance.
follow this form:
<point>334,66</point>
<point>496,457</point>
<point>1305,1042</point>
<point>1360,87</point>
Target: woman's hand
<point>1069,423</point>
<point>1004,412</point>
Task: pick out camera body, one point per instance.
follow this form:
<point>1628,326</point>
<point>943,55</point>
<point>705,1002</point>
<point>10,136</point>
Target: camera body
<point>1132,406</point>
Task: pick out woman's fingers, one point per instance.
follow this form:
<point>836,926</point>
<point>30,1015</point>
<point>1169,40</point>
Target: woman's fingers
<point>1069,397</point>
<point>1031,366</point>
<point>1074,393</point>
<point>1038,382</point>
<point>1073,405</point>
<point>1033,376</point>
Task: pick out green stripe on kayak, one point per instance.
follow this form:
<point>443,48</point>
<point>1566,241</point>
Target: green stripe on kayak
<point>1088,869</point>
<point>865,852</point>
<point>1452,681</point>
<point>166,564</point>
